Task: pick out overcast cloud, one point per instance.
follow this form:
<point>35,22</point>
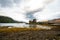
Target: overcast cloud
<point>8,3</point>
<point>24,10</point>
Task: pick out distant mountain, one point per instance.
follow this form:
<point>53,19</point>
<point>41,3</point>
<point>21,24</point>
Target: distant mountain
<point>55,20</point>
<point>5,19</point>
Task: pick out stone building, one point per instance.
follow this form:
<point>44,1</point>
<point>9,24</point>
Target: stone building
<point>32,23</point>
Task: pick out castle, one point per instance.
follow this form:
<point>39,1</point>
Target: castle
<point>33,23</point>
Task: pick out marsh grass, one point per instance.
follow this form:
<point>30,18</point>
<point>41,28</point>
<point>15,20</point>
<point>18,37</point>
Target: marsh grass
<point>18,29</point>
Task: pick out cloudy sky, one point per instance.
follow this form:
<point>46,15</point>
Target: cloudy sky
<point>25,10</point>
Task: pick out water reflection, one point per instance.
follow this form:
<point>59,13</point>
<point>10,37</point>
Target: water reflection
<point>23,25</point>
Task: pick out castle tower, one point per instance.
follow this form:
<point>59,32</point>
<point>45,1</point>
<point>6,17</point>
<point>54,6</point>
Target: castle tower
<point>34,21</point>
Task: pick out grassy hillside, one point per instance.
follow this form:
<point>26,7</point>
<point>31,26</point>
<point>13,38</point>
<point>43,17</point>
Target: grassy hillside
<point>5,19</point>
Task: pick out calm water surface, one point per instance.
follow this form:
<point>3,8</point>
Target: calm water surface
<point>24,25</point>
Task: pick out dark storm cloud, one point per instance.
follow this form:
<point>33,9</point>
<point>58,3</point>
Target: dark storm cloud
<point>8,3</point>
<point>31,13</point>
<point>30,16</point>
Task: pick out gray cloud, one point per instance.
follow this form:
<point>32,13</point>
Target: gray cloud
<point>30,16</point>
<point>8,3</point>
<point>31,13</point>
<point>58,15</point>
<point>17,1</point>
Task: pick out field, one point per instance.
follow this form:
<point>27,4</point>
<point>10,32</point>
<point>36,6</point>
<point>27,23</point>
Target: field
<point>28,34</point>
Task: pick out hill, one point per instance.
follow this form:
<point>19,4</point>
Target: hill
<point>5,19</point>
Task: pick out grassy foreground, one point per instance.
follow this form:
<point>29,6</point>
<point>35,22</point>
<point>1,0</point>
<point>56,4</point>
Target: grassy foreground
<point>28,34</point>
<point>18,29</point>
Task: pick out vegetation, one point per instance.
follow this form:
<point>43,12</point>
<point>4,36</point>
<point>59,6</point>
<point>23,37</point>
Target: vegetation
<point>18,29</point>
<point>5,19</point>
<point>28,34</point>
